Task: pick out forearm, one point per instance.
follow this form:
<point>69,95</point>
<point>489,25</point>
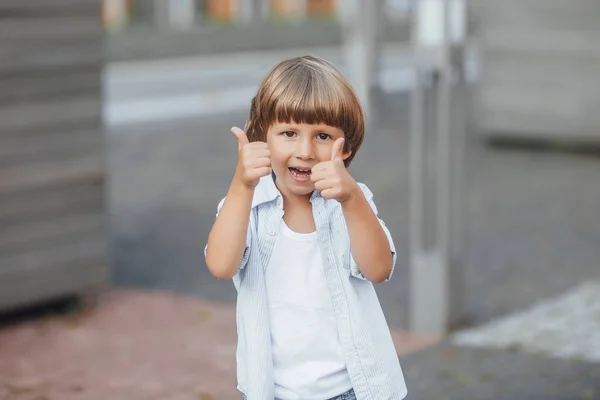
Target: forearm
<point>227,238</point>
<point>368,241</point>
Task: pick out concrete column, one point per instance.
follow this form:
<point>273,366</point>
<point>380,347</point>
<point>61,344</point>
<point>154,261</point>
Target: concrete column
<point>359,20</point>
<point>261,9</point>
<point>254,10</point>
<point>437,282</point>
<point>175,14</point>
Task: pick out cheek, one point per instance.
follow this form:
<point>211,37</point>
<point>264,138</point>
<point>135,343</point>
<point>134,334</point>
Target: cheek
<point>278,157</point>
<point>323,152</point>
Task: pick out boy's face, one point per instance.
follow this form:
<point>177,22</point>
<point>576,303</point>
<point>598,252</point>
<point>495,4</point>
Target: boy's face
<point>295,149</point>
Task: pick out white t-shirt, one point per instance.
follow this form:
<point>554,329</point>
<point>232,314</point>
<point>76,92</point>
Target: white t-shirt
<point>307,356</point>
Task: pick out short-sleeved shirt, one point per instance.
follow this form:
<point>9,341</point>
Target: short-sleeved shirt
<point>365,338</point>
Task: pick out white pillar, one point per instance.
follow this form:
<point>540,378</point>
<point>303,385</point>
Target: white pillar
<point>175,14</point>
<point>247,11</point>
<point>359,19</point>
<point>261,9</point>
<point>437,283</point>
<point>115,14</point>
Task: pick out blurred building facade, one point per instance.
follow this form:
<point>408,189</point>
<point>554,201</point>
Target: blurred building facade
<point>540,63</point>
<point>53,236</point>
<point>150,29</point>
<point>119,13</point>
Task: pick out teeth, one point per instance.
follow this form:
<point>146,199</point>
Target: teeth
<point>300,172</point>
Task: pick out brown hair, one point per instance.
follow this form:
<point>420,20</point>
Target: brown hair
<point>307,90</point>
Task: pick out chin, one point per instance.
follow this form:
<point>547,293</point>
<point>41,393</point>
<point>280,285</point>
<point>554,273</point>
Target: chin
<point>294,187</point>
<point>300,189</point>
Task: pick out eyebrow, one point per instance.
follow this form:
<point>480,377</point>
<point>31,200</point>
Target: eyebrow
<point>320,128</point>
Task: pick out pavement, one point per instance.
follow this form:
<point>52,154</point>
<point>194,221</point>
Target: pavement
<point>131,344</point>
<point>150,344</point>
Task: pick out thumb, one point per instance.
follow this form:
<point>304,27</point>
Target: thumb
<point>241,136</point>
<point>337,150</point>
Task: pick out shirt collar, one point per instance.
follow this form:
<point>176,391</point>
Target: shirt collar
<point>265,191</point>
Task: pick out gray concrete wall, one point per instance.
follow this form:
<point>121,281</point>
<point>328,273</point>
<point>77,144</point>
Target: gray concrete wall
<point>540,66</point>
<point>52,212</point>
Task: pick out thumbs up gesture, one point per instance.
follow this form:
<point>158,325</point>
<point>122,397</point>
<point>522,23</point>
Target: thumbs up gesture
<point>254,159</point>
<point>332,178</point>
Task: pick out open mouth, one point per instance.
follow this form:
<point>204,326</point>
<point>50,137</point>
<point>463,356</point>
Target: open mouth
<point>300,174</point>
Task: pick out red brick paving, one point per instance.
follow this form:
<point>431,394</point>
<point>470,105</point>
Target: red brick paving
<point>132,345</point>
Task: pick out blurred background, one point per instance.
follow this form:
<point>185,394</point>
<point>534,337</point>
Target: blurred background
<point>115,150</point>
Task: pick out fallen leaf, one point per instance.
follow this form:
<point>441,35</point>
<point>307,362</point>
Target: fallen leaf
<point>588,394</point>
<point>459,377</point>
<point>22,386</point>
<point>205,396</point>
<point>204,315</point>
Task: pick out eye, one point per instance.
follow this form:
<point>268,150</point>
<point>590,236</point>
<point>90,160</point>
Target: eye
<point>289,134</point>
<point>323,136</point>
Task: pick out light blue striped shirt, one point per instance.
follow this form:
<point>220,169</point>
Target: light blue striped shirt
<point>369,352</point>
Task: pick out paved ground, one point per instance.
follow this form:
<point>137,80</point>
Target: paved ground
<point>147,345</point>
<point>445,372</point>
<point>132,345</point>
<point>566,326</point>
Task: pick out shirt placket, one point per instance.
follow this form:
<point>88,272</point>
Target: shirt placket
<point>338,296</point>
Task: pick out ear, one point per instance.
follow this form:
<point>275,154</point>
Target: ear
<point>346,155</point>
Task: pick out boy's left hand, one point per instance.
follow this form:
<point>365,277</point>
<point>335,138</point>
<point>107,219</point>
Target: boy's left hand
<point>332,178</point>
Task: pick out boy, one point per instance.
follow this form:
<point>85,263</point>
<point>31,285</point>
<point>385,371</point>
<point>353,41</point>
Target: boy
<point>303,243</point>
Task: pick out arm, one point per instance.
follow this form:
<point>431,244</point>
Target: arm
<point>372,250</point>
<point>227,239</point>
<point>370,245</point>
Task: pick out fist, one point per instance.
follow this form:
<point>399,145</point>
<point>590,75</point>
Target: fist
<point>254,159</point>
<point>332,178</point>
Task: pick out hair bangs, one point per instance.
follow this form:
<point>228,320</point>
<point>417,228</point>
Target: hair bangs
<point>312,98</point>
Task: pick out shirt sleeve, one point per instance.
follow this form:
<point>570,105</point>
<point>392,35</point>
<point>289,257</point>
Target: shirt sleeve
<point>354,270</point>
<point>246,254</point>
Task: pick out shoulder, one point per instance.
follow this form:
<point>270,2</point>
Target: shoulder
<point>365,189</point>
<point>368,195</point>
<point>265,191</point>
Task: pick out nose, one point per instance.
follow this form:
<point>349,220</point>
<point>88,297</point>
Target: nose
<point>305,150</point>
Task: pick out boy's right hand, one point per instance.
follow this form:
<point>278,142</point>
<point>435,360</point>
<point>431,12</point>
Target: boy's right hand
<point>254,159</point>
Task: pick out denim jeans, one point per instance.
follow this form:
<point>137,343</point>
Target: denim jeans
<point>349,395</point>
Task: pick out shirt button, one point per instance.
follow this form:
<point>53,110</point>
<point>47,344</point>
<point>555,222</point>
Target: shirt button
<point>272,233</point>
<point>279,202</point>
